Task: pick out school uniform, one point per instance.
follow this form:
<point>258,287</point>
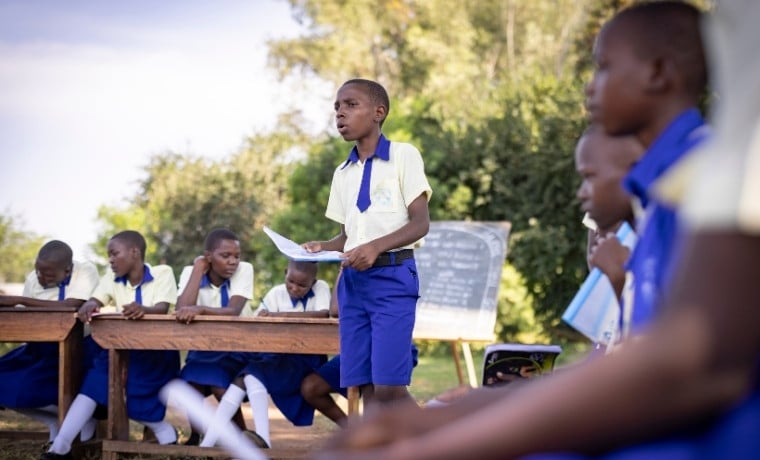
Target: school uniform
<point>217,368</point>
<point>658,230</point>
<point>29,373</point>
<point>330,371</point>
<point>282,373</point>
<point>378,305</point>
<point>148,370</point>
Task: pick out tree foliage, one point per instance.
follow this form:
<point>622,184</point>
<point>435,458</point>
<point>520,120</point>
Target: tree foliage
<point>18,249</point>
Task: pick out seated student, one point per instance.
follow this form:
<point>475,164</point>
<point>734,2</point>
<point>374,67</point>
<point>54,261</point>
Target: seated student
<point>29,373</point>
<point>217,283</point>
<point>133,288</point>
<point>602,161</point>
<point>278,374</point>
<point>317,387</point>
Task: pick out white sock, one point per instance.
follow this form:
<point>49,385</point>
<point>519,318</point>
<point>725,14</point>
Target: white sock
<point>227,407</point>
<point>47,415</point>
<point>164,431</point>
<point>81,410</point>
<point>259,399</point>
<point>88,430</point>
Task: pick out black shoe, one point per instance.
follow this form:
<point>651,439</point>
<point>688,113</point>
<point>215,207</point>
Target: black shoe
<point>256,438</point>
<point>54,456</point>
<point>193,440</point>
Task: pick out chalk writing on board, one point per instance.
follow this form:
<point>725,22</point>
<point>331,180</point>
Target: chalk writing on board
<point>460,268</point>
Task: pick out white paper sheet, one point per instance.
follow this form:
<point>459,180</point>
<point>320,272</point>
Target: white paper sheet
<point>294,251</point>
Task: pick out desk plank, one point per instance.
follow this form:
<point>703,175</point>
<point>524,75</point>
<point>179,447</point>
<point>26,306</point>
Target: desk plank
<point>266,334</point>
<point>50,324</point>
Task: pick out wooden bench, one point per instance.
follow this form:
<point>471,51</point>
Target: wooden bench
<point>49,324</point>
<point>163,332</point>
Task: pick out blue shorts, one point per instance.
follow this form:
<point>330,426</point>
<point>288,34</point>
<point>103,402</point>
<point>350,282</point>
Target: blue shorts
<point>148,371</point>
<point>330,372</point>
<point>377,312</point>
<point>212,368</point>
<point>282,374</point>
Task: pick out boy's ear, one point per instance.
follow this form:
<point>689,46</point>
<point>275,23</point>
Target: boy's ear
<point>380,113</point>
<point>661,74</point>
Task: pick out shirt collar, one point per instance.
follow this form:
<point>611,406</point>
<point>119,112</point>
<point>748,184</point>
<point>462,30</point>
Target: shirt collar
<point>382,151</point>
<point>303,299</point>
<point>675,141</point>
<point>206,281</point>
<point>147,276</point>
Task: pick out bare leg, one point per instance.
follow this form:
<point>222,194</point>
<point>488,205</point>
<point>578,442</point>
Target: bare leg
<point>316,391</point>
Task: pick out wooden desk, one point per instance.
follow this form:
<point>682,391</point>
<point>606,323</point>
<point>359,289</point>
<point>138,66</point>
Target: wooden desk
<point>163,332</point>
<point>50,324</point>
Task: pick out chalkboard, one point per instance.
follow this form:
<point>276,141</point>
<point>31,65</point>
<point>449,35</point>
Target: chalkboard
<point>459,267</point>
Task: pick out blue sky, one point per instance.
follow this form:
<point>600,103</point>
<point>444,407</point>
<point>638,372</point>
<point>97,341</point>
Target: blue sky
<point>89,90</point>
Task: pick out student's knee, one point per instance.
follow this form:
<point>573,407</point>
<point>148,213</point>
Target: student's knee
<point>313,386</point>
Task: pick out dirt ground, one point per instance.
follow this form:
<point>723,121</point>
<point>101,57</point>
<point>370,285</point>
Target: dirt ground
<point>284,435</point>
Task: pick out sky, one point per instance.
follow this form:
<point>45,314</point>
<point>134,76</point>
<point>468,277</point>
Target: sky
<point>90,90</point>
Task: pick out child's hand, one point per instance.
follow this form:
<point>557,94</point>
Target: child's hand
<point>313,246</point>
<point>86,311</point>
<point>133,311</point>
<point>361,257</point>
<point>187,314</point>
<point>263,312</point>
<point>201,263</point>
<point>610,256</point>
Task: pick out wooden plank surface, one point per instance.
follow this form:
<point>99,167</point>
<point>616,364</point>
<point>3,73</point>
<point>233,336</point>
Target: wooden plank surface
<point>163,332</point>
<point>35,324</point>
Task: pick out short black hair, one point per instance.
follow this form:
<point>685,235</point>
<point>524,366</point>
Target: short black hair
<point>309,268</point>
<point>57,252</point>
<point>132,239</point>
<point>672,30</point>
<point>377,93</point>
<point>216,236</point>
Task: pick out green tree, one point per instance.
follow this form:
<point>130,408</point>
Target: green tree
<point>18,249</point>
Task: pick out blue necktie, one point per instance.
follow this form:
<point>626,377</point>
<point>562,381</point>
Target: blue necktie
<point>62,288</point>
<point>363,201</point>
<point>225,295</point>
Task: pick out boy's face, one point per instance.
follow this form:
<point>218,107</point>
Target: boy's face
<point>123,258</point>
<point>298,283</point>
<point>356,116</point>
<point>49,273</point>
<point>224,259</point>
<point>616,96</point>
<point>601,191</point>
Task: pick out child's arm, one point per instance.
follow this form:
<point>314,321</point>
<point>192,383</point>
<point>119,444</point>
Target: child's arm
<point>697,361</point>
<point>88,309</point>
<point>189,295</point>
<point>335,244</point>
<point>363,256</point>
<point>12,300</point>
<point>136,311</point>
<point>187,314</point>
<point>610,255</point>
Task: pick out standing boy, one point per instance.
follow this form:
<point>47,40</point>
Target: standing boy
<point>277,374</point>
<point>133,288</point>
<point>219,284</point>
<point>379,196</point>
<point>29,373</point>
